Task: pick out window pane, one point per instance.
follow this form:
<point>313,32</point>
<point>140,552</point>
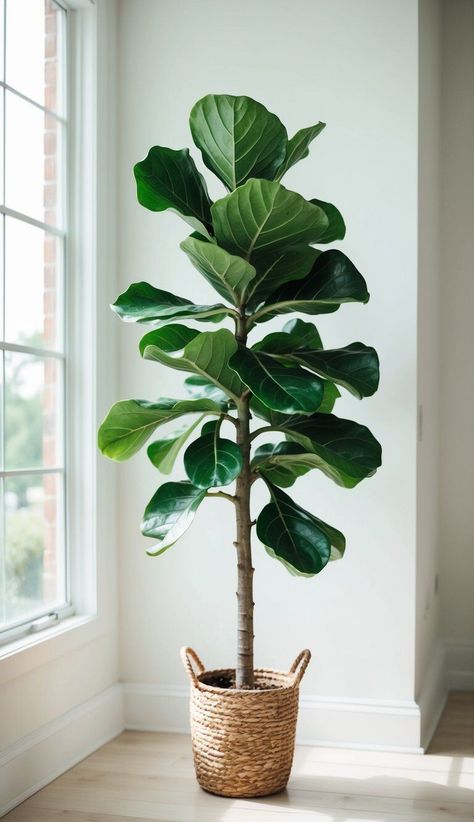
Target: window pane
<point>34,537</point>
<point>2,40</point>
<point>32,420</point>
<point>2,144</point>
<point>32,411</point>
<point>32,285</point>
<point>33,161</point>
<point>34,42</point>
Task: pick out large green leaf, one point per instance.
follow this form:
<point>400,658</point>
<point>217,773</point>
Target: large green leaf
<point>212,461</point>
<point>287,389</point>
<point>301,541</point>
<point>333,280</point>
<point>143,303</point>
<point>238,138</point>
<point>274,268</point>
<point>336,229</point>
<point>298,147</point>
<point>330,394</point>
<point>346,451</point>
<point>228,274</point>
<point>169,513</point>
<point>281,462</point>
<point>163,453</point>
<point>206,354</point>
<point>355,367</point>
<point>130,423</point>
<point>297,335</point>
<point>199,387</point>
<point>265,215</point>
<point>169,179</point>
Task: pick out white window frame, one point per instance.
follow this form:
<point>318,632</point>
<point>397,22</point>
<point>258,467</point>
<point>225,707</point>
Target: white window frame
<point>91,382</point>
<point>45,616</point>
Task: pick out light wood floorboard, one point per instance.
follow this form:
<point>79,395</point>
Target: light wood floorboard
<point>149,776</point>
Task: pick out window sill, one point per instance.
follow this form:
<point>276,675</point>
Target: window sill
<point>27,653</point>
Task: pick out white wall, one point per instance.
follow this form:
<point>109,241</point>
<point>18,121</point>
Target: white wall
<point>429,348</point>
<point>353,65</point>
<point>457,343</point>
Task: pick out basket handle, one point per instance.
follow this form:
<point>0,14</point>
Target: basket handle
<point>188,656</point>
<point>300,664</point>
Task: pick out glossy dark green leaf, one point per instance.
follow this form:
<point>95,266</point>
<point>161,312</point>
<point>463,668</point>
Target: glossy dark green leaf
<point>163,453</point>
<point>336,229</point>
<point>170,338</point>
<point>143,303</point>
<point>355,367</point>
<point>206,354</point>
<point>199,388</point>
<point>259,409</point>
<point>130,423</point>
<point>274,268</point>
<point>170,179</point>
<point>212,461</point>
<point>345,451</point>
<point>297,538</point>
<point>330,395</point>
<point>298,147</point>
<point>209,427</point>
<point>169,513</point>
<point>296,335</point>
<point>279,387</point>
<point>281,463</point>
<point>333,280</point>
<point>228,274</point>
<point>265,215</point>
<point>238,138</point>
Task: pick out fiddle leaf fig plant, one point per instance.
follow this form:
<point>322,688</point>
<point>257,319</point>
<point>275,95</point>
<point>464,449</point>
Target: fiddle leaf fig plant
<point>261,411</point>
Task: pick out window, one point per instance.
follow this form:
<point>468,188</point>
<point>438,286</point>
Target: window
<point>33,552</point>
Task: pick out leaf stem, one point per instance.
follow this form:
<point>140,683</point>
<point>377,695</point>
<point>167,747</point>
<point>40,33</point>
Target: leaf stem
<point>221,495</point>
<point>261,431</point>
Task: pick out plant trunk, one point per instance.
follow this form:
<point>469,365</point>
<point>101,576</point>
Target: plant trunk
<point>245,603</point>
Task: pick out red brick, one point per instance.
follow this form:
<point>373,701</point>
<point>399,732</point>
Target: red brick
<point>50,169</point>
<point>50,46</point>
<point>50,276</point>
<point>49,195</point>
<point>49,249</point>
<point>50,97</point>
<point>49,484</point>
<point>50,216</point>
<point>50,72</point>
<point>50,143</point>
<point>49,302</point>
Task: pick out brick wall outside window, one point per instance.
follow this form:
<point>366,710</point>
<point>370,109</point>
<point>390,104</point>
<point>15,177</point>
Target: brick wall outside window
<point>50,456</point>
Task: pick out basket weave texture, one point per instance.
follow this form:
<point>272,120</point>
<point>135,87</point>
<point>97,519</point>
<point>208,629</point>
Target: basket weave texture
<point>243,740</point>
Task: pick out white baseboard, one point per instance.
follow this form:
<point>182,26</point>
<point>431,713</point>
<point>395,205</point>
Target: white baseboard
<point>460,664</point>
<point>43,755</point>
<point>370,724</point>
<point>361,723</point>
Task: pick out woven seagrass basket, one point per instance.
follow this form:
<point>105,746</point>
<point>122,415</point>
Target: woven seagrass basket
<point>243,740</point>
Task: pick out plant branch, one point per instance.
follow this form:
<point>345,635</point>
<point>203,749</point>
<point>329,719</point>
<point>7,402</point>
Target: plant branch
<point>252,318</point>
<point>221,495</point>
<point>261,431</point>
<point>244,674</point>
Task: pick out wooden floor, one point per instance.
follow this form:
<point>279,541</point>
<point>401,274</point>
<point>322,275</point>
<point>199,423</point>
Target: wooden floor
<point>143,776</point>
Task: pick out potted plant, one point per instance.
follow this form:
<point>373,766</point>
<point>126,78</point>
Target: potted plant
<point>255,248</point>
